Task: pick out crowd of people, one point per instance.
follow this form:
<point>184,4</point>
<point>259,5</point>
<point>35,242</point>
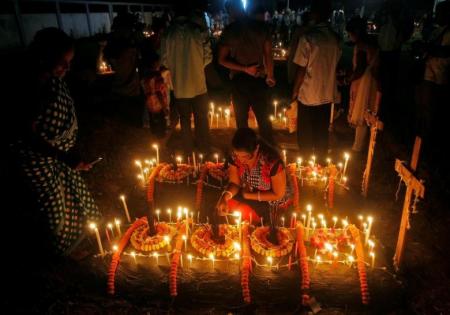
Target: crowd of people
<point>165,77</point>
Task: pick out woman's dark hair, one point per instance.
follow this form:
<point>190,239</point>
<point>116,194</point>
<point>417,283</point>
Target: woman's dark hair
<point>245,139</point>
<point>47,48</point>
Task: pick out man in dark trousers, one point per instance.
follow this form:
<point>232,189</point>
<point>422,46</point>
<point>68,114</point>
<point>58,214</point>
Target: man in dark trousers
<point>246,49</point>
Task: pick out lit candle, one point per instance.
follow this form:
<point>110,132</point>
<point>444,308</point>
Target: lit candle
<point>318,259</point>
<point>186,213</point>
<point>347,157</point>
<point>133,254</point>
<point>155,146</point>
<point>157,213</point>
<point>125,207</point>
<point>201,158</point>
<point>184,237</point>
<point>275,104</point>
<point>262,221</point>
<point>115,248</point>
<point>285,122</point>
<point>194,160</point>
<point>93,227</point>
<point>211,114</point>
<point>238,215</point>
<point>217,120</point>
<point>211,256</point>
<point>372,254</point>
<point>280,116</point>
<point>189,257</point>
<point>304,219</point>
<point>352,246</point>
<point>371,245</point>
<point>284,156</point>
<point>272,118</point>
<point>282,221</point>
<point>227,116</point>
<point>335,219</point>
<point>351,259</point>
<point>314,160</point>
<point>369,228</point>
<point>169,211</point>
<point>117,222</point>
<point>212,108</point>
<point>294,220</point>
<point>216,156</point>
<point>110,227</point>
<point>139,164</point>
<point>155,254</point>
<point>179,159</point>
<point>270,261</point>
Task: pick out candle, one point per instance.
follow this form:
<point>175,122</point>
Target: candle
<point>314,160</point>
<point>184,237</point>
<point>139,164</point>
<point>157,213</point>
<point>217,120</point>
<point>369,227</point>
<point>238,215</point>
<point>351,259</point>
<point>335,219</point>
<point>262,221</point>
<point>220,111</point>
<point>115,248</point>
<point>216,156</point>
<point>201,158</point>
<point>285,122</point>
<point>251,217</point>
<point>189,257</point>
<point>107,235</point>
<point>212,108</point>
<point>110,227</point>
<point>371,245</point>
<point>347,157</point>
<point>179,159</point>
<point>169,211</point>
<point>194,160</point>
<point>270,261</point>
<point>93,227</point>
<point>282,221</point>
<point>211,256</point>
<point>294,220</point>
<point>318,259</point>
<point>272,118</point>
<point>275,104</point>
<point>117,222</point>
<point>186,212</point>
<point>211,114</point>
<point>280,116</point>
<point>125,207</point>
<point>155,254</point>
<point>155,146</point>
<point>352,246</point>
<point>372,254</point>
<point>284,156</point>
<point>133,254</point>
<point>227,116</point>
<point>192,220</point>
<point>328,161</point>
<point>304,219</point>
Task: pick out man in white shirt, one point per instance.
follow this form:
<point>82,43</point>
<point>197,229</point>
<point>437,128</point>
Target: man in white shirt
<point>315,87</point>
<point>186,51</point>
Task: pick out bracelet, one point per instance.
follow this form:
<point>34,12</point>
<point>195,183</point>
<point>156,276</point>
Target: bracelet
<point>227,192</point>
<point>259,196</point>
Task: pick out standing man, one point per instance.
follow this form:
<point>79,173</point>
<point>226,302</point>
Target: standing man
<point>246,49</point>
<point>315,88</point>
<point>186,51</point>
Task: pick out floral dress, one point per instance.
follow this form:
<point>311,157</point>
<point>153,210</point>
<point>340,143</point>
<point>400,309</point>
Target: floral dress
<point>260,178</point>
<point>59,190</point>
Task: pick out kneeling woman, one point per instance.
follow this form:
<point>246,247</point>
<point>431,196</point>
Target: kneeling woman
<point>258,186</point>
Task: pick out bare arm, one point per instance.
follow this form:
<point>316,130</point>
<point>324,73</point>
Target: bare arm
<point>224,60</point>
<point>299,78</point>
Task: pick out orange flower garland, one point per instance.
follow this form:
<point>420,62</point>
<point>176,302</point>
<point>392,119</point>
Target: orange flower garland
<point>202,242</point>
<point>262,246</point>
<point>116,256</point>
<point>151,183</point>
<point>175,259</point>
<point>303,264</point>
<point>199,193</point>
<point>292,173</point>
<point>142,241</point>
<point>365,297</point>
<point>246,264</point>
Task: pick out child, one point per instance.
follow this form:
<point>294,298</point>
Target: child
<point>155,93</point>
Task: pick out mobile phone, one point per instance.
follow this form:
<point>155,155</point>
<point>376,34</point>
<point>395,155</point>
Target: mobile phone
<point>99,159</point>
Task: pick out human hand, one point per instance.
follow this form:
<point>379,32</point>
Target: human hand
<point>270,81</point>
<point>222,207</point>
<point>83,166</point>
<point>252,70</point>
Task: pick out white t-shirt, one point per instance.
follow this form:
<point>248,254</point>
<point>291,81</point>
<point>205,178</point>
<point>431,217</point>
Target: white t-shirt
<point>437,69</point>
<point>318,51</point>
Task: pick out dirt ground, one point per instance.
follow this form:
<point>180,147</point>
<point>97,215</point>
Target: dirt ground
<point>421,286</point>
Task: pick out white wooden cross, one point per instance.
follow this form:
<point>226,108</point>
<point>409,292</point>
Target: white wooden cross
<point>413,185</point>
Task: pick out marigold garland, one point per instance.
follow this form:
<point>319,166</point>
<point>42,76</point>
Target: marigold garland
<point>168,173</point>
<point>175,260</point>
<point>360,263</point>
<point>246,264</point>
<point>202,242</point>
<point>303,264</point>
<point>262,246</point>
<point>142,241</point>
<point>116,256</point>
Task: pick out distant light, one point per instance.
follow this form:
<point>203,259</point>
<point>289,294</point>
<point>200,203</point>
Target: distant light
<point>244,4</point>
